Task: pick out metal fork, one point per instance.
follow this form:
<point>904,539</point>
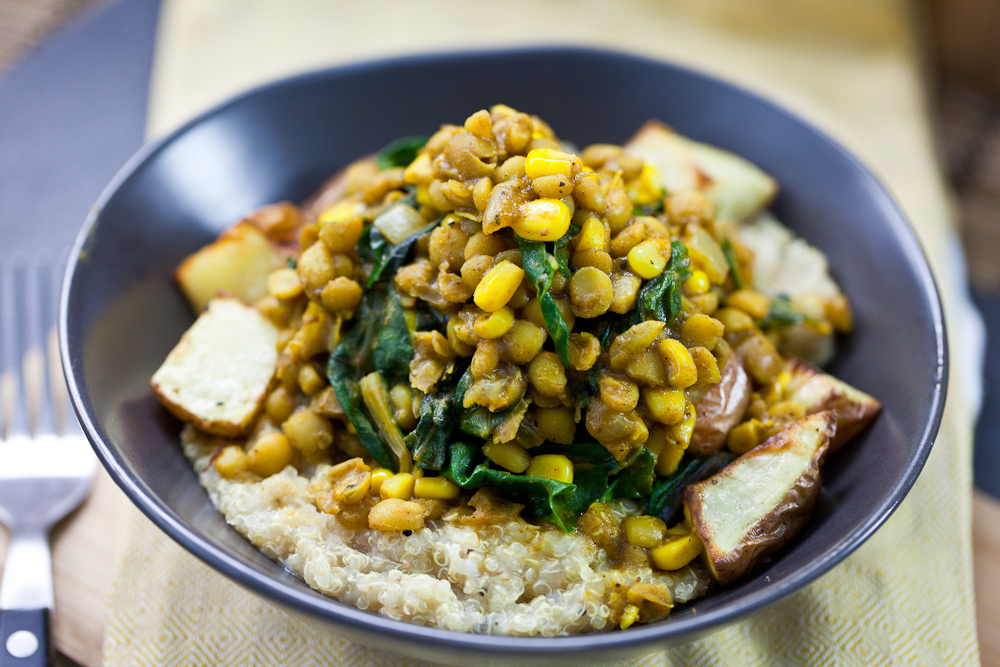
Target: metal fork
<point>46,464</point>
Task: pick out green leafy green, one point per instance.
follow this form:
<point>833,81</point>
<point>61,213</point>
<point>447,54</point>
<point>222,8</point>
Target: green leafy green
<point>782,314</point>
<point>429,440</point>
<point>291,263</point>
<point>561,249</point>
<point>375,248</point>
<point>665,499</point>
<point>734,267</point>
<point>399,153</point>
<point>540,267</point>
<point>392,351</point>
<point>635,480</point>
<point>341,377</point>
<point>544,498</point>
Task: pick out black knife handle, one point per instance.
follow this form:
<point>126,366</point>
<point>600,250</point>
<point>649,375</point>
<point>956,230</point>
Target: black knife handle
<point>24,638</point>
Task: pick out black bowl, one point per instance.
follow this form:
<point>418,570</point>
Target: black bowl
<point>121,312</point>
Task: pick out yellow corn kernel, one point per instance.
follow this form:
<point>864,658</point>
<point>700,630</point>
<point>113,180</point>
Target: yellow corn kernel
<point>682,372</point>
<point>495,324</point>
<point>648,188</point>
<point>420,170</point>
<point>551,466</point>
<point>649,258</point>
<point>342,212</point>
<point>398,486</point>
<point>379,475</point>
<point>656,440</point>
<point>676,553</point>
<point>310,381</point>
<point>549,162</point>
<point>670,457</point>
<point>750,301</point>
<point>786,411</point>
<point>436,487</point>
<point>745,437</point>
<point>284,284</point>
<point>556,424</point>
<point>508,455</point>
<point>543,220</point>
<point>232,461</point>
<point>707,365</point>
<point>424,194</point>
<point>697,282</point>
<point>270,454</point>
<point>664,405</point>
<point>644,531</point>
<point>498,286</point>
<point>592,236</point>
<point>629,616</point>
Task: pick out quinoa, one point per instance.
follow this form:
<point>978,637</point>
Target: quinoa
<point>507,579</point>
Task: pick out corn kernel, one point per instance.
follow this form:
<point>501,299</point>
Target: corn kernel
<point>656,440</point>
<point>436,487</point>
<point>543,220</point>
<point>664,405</point>
<point>508,455</point>
<point>232,461</point>
<point>676,553</point>
<point>420,170</point>
<point>551,466</point>
<point>342,212</point>
<point>284,284</point>
<point>750,301</point>
<point>648,188</point>
<point>379,475</point>
<point>549,162</point>
<point>629,616</point>
<point>310,381</point>
<point>788,411</point>
<point>644,531</point>
<point>398,486</point>
<point>697,282</point>
<point>649,258</point>
<point>498,286</point>
<point>670,457</point>
<point>556,424</point>
<point>745,437</point>
<point>495,324</point>
<point>682,372</point>
<point>424,194</point>
<point>592,236</point>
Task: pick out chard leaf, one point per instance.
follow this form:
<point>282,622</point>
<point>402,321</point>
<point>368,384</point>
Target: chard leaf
<point>734,267</point>
<point>341,377</point>
<point>375,248</point>
<point>392,351</point>
<point>429,440</point>
<point>543,498</point>
<point>561,250</point>
<point>540,267</point>
<point>782,314</point>
<point>635,480</point>
<point>399,153</point>
<point>665,499</point>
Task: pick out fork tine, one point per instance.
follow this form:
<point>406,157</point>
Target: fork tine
<point>13,414</point>
<point>37,315</point>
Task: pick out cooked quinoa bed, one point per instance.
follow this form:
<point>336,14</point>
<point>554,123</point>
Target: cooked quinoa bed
<point>487,382</point>
<point>513,578</point>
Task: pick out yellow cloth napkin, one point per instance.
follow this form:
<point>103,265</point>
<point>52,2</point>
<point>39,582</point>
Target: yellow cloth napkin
<point>852,66</point>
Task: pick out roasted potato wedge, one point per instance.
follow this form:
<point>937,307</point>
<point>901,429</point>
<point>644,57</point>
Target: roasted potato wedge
<point>721,408</point>
<point>217,375</point>
<point>816,391</point>
<point>238,262</point>
<point>756,504</point>
<point>737,187</point>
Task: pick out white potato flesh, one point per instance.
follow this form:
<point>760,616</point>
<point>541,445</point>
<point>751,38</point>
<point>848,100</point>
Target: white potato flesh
<point>736,187</point>
<point>218,374</point>
<point>238,262</point>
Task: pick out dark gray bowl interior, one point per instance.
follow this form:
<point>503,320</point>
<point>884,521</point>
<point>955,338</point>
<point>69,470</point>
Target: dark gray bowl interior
<point>122,313</point>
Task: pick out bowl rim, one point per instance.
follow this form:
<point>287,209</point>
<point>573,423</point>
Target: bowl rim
<point>314,604</point>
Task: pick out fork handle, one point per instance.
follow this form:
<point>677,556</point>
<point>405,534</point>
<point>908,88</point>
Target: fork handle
<point>24,638</point>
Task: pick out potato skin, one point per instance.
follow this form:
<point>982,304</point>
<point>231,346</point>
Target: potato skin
<point>818,391</point>
<point>782,522</point>
<point>721,408</point>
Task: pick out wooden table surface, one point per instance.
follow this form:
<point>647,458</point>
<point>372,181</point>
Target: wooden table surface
<point>84,544</point>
